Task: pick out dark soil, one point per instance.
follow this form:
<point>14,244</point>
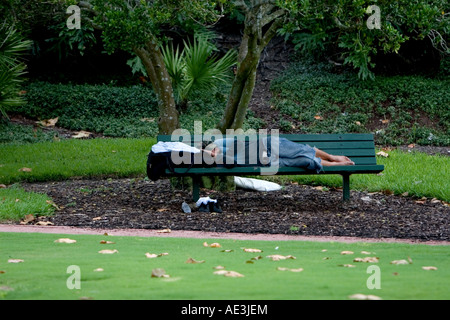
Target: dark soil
<point>296,209</point>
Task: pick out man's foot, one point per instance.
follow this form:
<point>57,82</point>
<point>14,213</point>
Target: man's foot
<point>327,163</point>
<point>342,159</point>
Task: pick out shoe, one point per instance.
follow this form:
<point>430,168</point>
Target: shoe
<point>203,208</point>
<point>214,207</point>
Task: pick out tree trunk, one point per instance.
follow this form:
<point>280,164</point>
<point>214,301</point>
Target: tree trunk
<point>152,59</point>
<point>253,43</point>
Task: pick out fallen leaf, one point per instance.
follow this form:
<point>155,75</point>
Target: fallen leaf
<point>233,274</point>
<point>148,119</point>
<point>366,252</point>
<point>360,296</point>
<point>44,223</point>
<point>15,260</point>
<point>403,261</point>
<point>215,245</point>
<point>48,122</point>
<point>159,273</point>
<point>367,259</point>
<point>291,270</point>
<point>212,245</point>
<point>220,272</point>
<point>25,169</point>
<point>429,268</point>
<point>252,250</point>
<point>191,260</point>
<point>2,271</point>
<point>277,257</point>
<point>106,242</point>
<point>154,255</point>
<point>219,268</point>
<point>28,218</point>
<point>164,231</point>
<point>382,154</point>
<point>65,240</point>
<point>347,265</point>
<point>108,251</point>
<point>422,200</point>
<point>52,204</point>
<point>347,252</point>
<point>82,134</point>
<point>6,288</point>
<point>227,250</point>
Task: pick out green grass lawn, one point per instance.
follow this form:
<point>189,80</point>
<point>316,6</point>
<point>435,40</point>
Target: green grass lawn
<point>73,158</point>
<point>43,274</point>
<point>16,203</point>
<point>418,174</point>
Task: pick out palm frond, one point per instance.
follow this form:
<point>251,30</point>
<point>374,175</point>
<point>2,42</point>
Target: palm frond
<point>203,70</point>
<point>12,46</point>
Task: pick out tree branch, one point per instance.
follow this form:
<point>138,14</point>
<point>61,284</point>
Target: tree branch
<point>273,16</point>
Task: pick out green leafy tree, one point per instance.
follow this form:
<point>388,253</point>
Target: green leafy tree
<point>136,26</point>
<point>342,27</point>
<point>344,31</point>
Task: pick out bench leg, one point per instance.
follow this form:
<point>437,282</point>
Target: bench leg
<point>195,188</point>
<point>346,187</point>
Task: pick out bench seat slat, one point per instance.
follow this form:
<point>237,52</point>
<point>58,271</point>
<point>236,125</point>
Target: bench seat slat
<point>280,171</point>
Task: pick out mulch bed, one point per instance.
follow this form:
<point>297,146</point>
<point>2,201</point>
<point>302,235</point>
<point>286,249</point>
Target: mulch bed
<point>294,210</point>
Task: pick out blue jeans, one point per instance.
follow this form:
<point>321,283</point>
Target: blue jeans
<point>292,154</point>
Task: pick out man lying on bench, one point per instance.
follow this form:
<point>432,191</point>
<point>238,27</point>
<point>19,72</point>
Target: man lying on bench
<point>288,153</point>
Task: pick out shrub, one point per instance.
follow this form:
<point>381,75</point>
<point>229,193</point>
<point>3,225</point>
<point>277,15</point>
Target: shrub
<point>401,109</point>
<point>113,111</point>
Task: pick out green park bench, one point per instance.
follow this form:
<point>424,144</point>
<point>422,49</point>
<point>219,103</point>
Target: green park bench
<point>360,148</point>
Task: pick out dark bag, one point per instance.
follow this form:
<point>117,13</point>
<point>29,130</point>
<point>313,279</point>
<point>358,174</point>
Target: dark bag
<point>158,163</point>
